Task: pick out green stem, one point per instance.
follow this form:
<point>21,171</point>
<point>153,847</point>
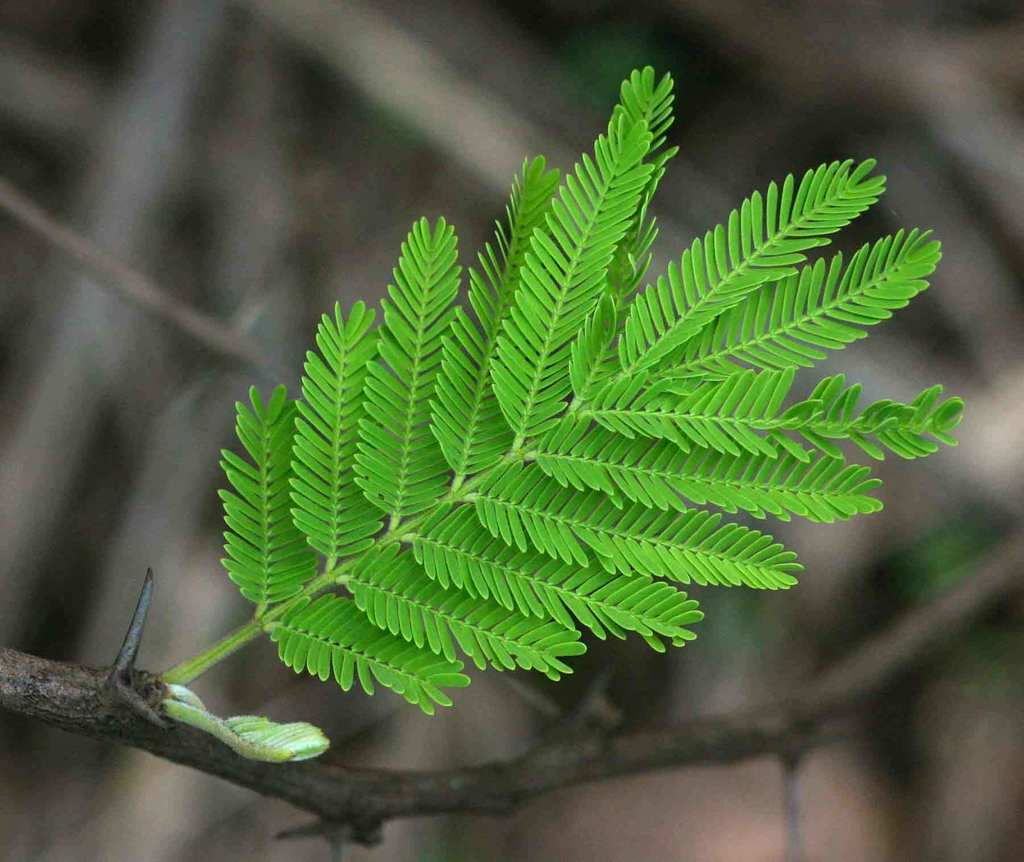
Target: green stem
<point>190,669</point>
<point>184,673</point>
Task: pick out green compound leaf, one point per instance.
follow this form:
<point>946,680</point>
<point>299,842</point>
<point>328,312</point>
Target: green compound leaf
<point>659,475</point>
<point>394,593</point>
<point>329,509</point>
<point>743,413</point>
<point>564,275</point>
<point>643,98</point>
<point>465,417</point>
<point>591,355</point>
<point>794,322</point>
<point>526,509</point>
<point>332,638</point>
<point>267,557</point>
<point>904,429</point>
<point>455,550</point>
<point>399,465</point>
<point>760,242</point>
<point>495,479</point>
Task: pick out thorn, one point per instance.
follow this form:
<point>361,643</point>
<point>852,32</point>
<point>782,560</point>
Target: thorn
<point>120,682</point>
<point>124,664</point>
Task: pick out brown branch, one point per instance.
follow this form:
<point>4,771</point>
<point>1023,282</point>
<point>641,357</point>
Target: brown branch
<point>72,697</point>
<point>127,282</point>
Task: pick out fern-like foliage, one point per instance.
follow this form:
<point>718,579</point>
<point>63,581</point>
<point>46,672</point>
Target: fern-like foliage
<point>502,481</point>
<point>526,509</point>
<point>330,510</point>
<point>743,413</point>
<point>643,98</point>
<point>465,417</point>
<point>660,475</point>
<point>454,551</point>
<point>746,412</point>
<point>647,100</point>
<point>399,465</point>
<point>564,274</point>
<point>904,429</point>
<point>332,638</point>
<point>760,242</point>
<point>791,323</point>
<point>267,557</point>
<point>390,588</point>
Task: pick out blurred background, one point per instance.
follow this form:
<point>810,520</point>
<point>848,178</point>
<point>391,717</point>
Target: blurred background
<point>263,159</point>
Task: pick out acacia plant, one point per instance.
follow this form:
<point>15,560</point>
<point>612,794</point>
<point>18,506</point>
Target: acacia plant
<point>554,457</point>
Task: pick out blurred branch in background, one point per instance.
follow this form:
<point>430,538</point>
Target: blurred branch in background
<point>416,84</point>
<point>130,284</point>
<point>137,160</point>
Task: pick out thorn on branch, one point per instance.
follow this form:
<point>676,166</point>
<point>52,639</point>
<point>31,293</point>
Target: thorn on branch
<point>121,681</point>
<point>125,661</point>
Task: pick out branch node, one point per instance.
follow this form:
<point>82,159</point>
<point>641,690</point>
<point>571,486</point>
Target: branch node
<point>120,683</point>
